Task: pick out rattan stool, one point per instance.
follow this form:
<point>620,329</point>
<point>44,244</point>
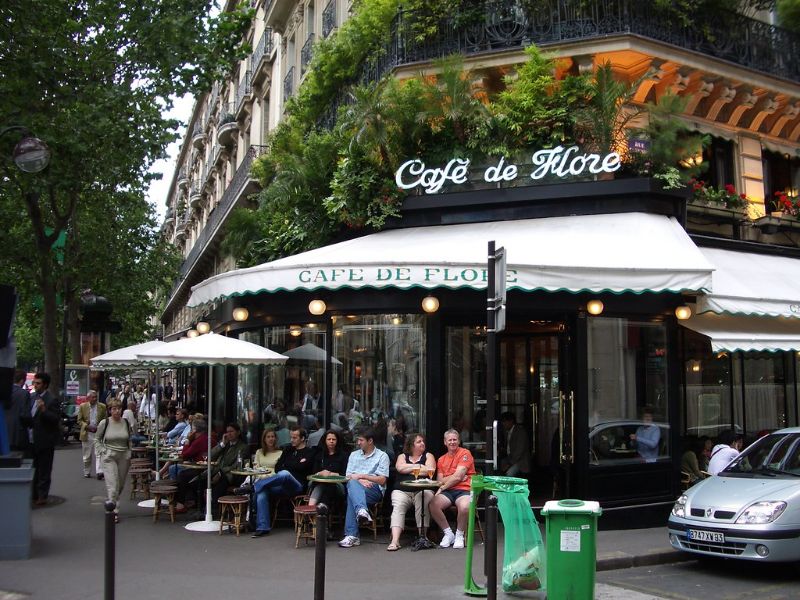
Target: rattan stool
<point>305,518</point>
<point>140,482</point>
<point>165,490</point>
<point>231,512</point>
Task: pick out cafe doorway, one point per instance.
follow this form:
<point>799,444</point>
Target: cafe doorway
<point>533,387</point>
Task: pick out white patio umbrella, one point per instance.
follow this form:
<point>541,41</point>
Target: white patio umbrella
<point>209,350</point>
<point>310,353</point>
<point>126,359</point>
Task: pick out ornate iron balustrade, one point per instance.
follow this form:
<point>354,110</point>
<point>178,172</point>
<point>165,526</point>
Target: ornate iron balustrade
<point>329,18</point>
<point>243,91</point>
<point>306,52</point>
<point>263,48</point>
<point>288,84</point>
<point>217,216</point>
<point>507,24</point>
<point>512,24</point>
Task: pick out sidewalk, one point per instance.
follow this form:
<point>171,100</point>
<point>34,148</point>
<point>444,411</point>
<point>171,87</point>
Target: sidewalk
<point>162,559</point>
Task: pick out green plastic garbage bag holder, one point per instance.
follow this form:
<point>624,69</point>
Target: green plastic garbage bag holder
<point>499,486</point>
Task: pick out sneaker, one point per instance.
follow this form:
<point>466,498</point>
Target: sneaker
<point>448,539</point>
<point>244,490</point>
<point>459,540</point>
<point>349,541</point>
<point>363,517</point>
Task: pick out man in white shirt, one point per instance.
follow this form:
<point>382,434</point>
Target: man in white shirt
<point>90,413</point>
<point>728,447</point>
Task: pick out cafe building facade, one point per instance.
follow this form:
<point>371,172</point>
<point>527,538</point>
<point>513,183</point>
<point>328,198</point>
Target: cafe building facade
<point>621,295</point>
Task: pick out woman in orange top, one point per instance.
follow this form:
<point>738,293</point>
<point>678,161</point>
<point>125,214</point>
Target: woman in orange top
<point>454,471</point>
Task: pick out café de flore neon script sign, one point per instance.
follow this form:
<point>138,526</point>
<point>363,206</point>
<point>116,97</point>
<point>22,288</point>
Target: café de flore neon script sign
<point>558,162</point>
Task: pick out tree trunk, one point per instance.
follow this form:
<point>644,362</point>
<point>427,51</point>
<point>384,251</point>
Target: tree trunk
<point>50,321</point>
<point>74,329</point>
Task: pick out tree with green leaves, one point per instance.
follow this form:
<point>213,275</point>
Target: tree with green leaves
<point>93,79</point>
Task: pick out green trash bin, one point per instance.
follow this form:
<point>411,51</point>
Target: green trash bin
<point>571,548</point>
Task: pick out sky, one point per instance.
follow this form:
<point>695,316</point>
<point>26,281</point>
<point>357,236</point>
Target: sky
<point>157,193</point>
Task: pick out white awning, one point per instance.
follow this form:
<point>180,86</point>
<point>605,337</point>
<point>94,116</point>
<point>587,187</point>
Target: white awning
<point>752,284</point>
<point>631,252</point>
<point>731,333</point>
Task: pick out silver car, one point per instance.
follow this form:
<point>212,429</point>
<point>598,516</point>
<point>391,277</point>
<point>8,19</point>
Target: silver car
<point>750,510</point>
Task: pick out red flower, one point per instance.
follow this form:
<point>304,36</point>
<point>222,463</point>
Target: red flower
<point>730,189</point>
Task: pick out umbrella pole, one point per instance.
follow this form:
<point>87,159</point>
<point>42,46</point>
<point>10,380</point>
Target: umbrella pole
<point>158,433</point>
<point>208,524</point>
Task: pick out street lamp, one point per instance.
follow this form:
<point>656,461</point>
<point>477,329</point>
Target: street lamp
<point>31,155</point>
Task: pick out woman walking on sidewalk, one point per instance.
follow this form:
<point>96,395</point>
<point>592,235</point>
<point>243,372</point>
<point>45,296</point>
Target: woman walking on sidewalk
<point>113,445</point>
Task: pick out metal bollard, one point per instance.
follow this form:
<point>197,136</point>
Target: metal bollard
<point>110,550</point>
<point>491,547</point>
<point>320,540</point>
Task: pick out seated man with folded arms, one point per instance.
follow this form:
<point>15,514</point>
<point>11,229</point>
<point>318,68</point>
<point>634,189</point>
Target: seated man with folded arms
<point>367,472</point>
<point>294,466</point>
<point>454,473</point>
<point>229,454</point>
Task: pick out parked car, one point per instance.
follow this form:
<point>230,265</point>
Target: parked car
<point>610,443</point>
<point>750,510</point>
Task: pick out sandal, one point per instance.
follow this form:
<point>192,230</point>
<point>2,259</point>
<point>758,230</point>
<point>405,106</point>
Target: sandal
<point>393,547</point>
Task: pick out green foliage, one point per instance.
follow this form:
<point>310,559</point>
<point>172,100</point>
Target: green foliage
<point>336,60</point>
<point>92,79</point>
<point>789,14</point>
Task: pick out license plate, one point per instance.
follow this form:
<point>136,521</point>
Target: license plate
<point>706,536</point>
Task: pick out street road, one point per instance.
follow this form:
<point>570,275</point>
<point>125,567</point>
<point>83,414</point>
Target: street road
<point>710,579</point>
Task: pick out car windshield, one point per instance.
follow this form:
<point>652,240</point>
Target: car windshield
<point>773,455</point>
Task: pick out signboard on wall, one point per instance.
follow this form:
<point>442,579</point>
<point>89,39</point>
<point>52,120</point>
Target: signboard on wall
<point>76,381</point>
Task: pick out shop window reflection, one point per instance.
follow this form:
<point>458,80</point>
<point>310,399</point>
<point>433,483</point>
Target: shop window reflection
<point>763,409</point>
<point>378,376</point>
<point>628,413</point>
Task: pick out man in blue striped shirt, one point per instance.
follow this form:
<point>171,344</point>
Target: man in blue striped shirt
<point>367,472</point>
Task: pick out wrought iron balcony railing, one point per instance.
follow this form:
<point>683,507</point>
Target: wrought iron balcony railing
<point>506,24</point>
<point>329,18</point>
<point>288,84</point>
<point>306,52</point>
<point>263,49</point>
<point>243,91</point>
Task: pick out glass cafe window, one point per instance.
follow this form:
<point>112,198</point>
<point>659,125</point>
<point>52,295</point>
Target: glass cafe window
<point>379,376</point>
<point>466,385</point>
<point>627,378</point>
<point>293,392</point>
<point>718,158</point>
<point>247,393</point>
<point>764,406</point>
<point>708,388</point>
<point>781,174</point>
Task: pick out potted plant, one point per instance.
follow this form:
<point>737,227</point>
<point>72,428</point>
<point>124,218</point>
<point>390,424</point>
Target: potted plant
<point>784,204</point>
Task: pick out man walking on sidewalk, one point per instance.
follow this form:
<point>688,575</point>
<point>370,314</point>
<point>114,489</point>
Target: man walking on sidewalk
<point>45,434</point>
<point>90,413</point>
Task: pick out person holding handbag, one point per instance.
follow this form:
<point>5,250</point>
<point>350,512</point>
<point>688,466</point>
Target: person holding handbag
<point>113,445</point>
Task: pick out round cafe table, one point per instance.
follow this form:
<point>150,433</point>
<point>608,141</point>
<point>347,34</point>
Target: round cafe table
<point>419,486</point>
<point>327,478</point>
<point>197,465</point>
<point>251,472</point>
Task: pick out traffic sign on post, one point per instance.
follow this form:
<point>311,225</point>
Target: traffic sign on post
<point>500,289</point>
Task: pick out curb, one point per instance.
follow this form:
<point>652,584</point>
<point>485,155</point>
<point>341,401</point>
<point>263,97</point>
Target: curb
<point>621,560</point>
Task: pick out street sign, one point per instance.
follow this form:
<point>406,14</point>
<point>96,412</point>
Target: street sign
<point>500,289</point>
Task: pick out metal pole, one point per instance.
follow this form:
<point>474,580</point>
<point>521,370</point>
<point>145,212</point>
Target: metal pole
<point>491,547</point>
<point>320,539</point>
<point>110,552</point>
<point>491,353</point>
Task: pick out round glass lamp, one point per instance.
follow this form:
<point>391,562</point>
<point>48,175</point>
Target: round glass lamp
<point>594,307</point>
<point>203,327</point>
<point>31,155</point>
<point>683,312</point>
<point>430,304</point>
<point>317,307</point>
<point>240,313</point>
<point>192,333</point>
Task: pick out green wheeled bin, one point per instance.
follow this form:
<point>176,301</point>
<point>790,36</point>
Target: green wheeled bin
<point>571,548</point>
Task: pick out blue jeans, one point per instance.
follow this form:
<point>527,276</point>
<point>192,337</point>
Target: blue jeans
<point>282,483</point>
<point>358,497</point>
<point>174,469</point>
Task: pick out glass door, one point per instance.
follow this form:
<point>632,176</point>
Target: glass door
<point>531,392</point>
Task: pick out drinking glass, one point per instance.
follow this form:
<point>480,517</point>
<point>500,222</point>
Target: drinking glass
<point>415,471</point>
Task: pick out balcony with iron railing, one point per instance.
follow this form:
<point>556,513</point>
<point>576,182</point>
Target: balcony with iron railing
<point>329,18</point>
<point>238,186</point>
<point>196,193</point>
<point>288,84</point>
<point>262,58</point>
<point>507,25</point>
<point>183,178</point>
<point>198,135</point>
<point>227,127</point>
<point>243,92</point>
<point>306,53</point>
